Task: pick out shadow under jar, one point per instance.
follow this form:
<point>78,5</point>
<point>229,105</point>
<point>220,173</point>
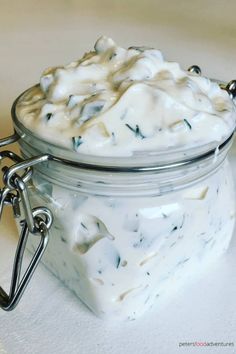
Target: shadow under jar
<point>130,231</point>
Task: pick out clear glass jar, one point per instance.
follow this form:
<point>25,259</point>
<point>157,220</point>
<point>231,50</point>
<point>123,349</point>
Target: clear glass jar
<point>124,237</point>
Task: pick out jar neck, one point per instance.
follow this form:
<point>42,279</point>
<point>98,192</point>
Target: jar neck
<point>145,183</point>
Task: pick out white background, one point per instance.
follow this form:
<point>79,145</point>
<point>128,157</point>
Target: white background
<point>37,34</point>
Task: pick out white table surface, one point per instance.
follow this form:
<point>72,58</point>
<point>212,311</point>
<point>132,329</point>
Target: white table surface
<point>37,34</point>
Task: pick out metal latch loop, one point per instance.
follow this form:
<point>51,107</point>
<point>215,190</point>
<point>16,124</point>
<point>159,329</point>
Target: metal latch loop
<point>8,172</point>
<point>18,283</point>
<point>37,221</point>
<point>9,140</point>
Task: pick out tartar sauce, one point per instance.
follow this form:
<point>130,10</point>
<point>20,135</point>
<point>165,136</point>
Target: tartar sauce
<point>123,241</point>
<point>116,101</point>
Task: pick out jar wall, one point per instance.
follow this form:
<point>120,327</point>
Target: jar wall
<point>122,255</point>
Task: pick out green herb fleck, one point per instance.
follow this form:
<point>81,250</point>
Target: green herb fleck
<point>76,141</point>
<point>140,49</point>
<point>113,55</point>
<point>70,97</point>
<point>188,124</point>
<point>48,116</point>
<point>140,242</point>
<point>183,261</point>
<point>63,239</point>
<point>118,262</point>
<point>69,102</point>
<point>172,244</point>
<point>182,224</point>
<point>113,138</point>
<point>136,131</point>
<point>84,226</point>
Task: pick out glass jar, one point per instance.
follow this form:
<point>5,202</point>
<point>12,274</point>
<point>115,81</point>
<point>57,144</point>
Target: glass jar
<point>128,232</point>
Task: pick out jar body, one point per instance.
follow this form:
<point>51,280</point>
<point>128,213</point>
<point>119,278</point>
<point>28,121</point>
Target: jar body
<point>122,254</point>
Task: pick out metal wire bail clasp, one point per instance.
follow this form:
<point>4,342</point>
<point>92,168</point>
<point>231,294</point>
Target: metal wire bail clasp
<point>36,221</point>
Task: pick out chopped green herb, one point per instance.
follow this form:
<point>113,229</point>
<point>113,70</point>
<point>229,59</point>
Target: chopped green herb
<point>113,137</point>
<point>172,244</point>
<point>70,102</point>
<point>118,262</point>
<point>182,222</point>
<point>48,116</point>
<point>136,130</point>
<point>70,97</point>
<point>141,242</point>
<point>140,49</point>
<point>188,124</point>
<point>84,226</point>
<point>76,141</point>
<point>63,239</point>
<point>112,55</point>
<point>183,261</point>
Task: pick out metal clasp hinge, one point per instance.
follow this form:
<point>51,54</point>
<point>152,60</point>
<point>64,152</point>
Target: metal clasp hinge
<point>37,221</point>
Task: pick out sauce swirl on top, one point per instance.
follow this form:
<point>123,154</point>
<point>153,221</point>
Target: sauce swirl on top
<point>116,101</point>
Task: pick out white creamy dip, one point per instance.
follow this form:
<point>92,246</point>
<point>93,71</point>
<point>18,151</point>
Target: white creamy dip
<point>126,241</point>
<point>121,255</point>
<point>116,101</point>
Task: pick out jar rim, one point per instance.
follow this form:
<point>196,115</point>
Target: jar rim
<point>140,161</point>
